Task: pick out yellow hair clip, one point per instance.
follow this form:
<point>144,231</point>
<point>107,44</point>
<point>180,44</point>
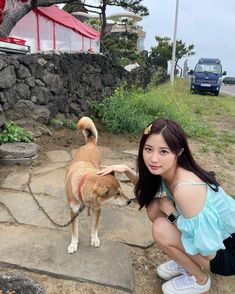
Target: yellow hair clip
<point>147,130</point>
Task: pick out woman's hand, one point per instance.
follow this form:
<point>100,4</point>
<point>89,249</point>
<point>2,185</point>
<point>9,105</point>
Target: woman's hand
<point>119,168</point>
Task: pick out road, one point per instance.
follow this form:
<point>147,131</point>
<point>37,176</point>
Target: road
<point>228,89</point>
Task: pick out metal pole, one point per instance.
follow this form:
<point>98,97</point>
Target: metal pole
<point>174,43</point>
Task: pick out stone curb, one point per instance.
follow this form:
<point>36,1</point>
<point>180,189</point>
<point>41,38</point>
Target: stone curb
<point>18,150</point>
<point>21,160</point>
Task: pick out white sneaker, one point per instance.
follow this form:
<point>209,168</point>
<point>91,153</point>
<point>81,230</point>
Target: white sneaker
<point>169,270</point>
<point>185,284</point>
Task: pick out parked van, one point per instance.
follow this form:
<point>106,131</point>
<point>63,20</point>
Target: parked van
<point>207,76</point>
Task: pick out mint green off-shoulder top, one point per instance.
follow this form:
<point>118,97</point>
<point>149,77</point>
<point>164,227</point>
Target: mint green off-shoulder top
<point>204,233</point>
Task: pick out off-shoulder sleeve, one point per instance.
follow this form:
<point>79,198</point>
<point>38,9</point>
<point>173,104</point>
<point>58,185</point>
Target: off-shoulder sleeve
<point>203,233</point>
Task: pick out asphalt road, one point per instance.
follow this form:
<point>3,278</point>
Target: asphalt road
<point>228,89</point>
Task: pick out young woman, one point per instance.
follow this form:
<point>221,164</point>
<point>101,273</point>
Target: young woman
<point>193,218</point>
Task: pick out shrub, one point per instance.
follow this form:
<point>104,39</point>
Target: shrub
<point>201,116</point>
<point>132,111</point>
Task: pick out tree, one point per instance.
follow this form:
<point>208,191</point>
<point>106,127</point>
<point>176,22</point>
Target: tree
<point>164,49</point>
<point>74,7</point>
<point>121,46</point>
<point>15,10</point>
<point>134,6</point>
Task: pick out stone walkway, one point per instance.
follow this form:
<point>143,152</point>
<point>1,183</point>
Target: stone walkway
<point>29,240</point>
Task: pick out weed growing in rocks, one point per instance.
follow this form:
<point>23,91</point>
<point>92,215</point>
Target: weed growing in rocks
<point>11,132</point>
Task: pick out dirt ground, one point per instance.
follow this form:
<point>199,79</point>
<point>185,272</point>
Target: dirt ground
<point>144,260</point>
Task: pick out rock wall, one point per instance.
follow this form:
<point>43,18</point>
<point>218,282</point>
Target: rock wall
<point>39,86</point>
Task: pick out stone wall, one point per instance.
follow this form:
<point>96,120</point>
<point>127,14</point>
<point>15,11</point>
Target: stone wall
<point>38,87</point>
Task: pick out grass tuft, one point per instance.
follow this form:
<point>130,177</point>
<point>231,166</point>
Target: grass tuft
<point>200,115</point>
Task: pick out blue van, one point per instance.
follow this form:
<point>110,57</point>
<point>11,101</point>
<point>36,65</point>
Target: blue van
<point>207,76</point>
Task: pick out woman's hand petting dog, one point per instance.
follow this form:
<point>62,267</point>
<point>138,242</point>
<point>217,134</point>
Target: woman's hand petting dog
<point>119,168</point>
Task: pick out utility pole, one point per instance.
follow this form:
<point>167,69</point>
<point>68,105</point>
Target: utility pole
<point>174,44</point>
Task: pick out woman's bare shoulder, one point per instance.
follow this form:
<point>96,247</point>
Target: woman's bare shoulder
<point>190,194</point>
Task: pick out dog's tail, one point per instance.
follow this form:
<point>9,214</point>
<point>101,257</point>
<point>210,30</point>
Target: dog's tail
<point>88,128</point>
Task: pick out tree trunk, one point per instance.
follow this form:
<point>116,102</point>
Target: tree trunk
<point>103,16</point>
<point>11,16</point>
<point>16,10</point>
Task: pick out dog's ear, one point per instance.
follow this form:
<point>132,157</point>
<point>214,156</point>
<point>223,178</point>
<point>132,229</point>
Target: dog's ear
<point>100,189</point>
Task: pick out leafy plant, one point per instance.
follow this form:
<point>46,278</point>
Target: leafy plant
<point>55,122</point>
<point>69,124</point>
<point>13,133</point>
<point>66,123</point>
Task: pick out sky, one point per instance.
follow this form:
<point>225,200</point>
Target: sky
<point>207,24</point>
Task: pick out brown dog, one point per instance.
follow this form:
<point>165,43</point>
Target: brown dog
<point>84,186</point>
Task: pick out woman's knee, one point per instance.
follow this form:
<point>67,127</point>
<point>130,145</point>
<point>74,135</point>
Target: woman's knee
<point>159,229</point>
<point>153,210</point>
<point>165,233</point>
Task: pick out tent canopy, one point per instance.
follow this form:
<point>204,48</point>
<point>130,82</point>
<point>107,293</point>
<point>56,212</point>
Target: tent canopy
<point>62,17</point>
<point>50,28</point>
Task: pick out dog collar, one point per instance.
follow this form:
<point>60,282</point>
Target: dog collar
<point>81,182</point>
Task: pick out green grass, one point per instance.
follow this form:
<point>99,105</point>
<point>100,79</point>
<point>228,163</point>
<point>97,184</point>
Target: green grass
<point>206,117</point>
<point>216,113</point>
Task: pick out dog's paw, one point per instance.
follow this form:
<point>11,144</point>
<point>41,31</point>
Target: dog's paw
<point>95,241</point>
<point>73,247</point>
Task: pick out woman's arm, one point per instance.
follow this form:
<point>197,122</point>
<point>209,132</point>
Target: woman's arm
<point>166,205</point>
<point>120,168</point>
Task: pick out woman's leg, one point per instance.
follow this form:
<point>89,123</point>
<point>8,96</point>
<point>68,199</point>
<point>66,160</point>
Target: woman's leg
<point>168,237</point>
<point>153,210</point>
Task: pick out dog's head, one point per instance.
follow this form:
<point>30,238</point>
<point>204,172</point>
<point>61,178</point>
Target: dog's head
<point>106,190</point>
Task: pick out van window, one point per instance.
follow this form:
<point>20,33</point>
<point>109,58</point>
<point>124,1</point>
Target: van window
<point>210,68</point>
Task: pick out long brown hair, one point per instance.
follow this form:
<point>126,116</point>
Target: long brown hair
<point>148,184</point>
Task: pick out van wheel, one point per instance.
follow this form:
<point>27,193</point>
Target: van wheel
<point>216,93</point>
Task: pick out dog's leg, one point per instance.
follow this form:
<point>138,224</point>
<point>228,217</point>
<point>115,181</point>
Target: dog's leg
<point>95,241</point>
<point>75,236</point>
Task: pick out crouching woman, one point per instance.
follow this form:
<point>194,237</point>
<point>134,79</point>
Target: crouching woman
<point>192,216</point>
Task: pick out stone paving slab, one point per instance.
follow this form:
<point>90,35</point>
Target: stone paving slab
<point>131,152</point>
<point>15,181</point>
<point>58,156</point>
<point>52,183</point>
<point>25,211</point>
<point>126,224</point>
<point>4,214</point>
<point>45,251</point>
<point>38,245</point>
<point>48,168</point>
